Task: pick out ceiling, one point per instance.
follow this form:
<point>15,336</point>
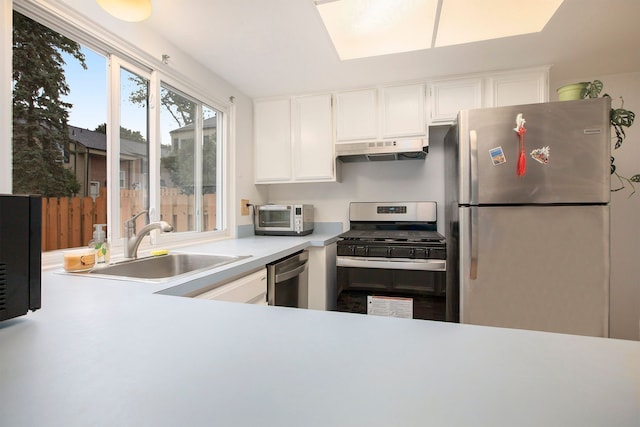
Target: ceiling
<point>278,47</point>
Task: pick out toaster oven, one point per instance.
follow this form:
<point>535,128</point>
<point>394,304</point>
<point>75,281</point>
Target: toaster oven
<point>283,220</point>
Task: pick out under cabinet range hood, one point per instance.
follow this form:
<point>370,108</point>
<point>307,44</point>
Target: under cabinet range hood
<point>405,149</point>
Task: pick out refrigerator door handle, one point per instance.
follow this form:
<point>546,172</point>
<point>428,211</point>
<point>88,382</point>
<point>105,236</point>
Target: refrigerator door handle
<point>473,169</point>
<point>473,243</point>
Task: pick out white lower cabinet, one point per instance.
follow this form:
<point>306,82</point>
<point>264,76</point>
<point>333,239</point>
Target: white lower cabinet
<point>250,289</point>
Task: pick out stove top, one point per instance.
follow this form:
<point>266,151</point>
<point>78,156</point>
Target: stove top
<point>393,230</point>
<point>416,236</point>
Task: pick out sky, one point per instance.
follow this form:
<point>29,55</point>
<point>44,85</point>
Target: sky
<point>88,90</point>
<point>88,94</point>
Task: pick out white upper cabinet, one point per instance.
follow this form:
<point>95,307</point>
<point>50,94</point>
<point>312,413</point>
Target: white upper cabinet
<point>293,140</point>
<point>447,97</point>
<point>517,87</point>
<point>272,140</point>
<point>357,115</point>
<point>294,137</point>
<point>381,113</point>
<point>313,153</point>
<point>403,112</point>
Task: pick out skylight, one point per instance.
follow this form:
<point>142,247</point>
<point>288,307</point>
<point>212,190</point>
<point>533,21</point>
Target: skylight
<point>363,28</point>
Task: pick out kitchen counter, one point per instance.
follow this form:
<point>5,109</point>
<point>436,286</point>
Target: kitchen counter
<point>115,353</point>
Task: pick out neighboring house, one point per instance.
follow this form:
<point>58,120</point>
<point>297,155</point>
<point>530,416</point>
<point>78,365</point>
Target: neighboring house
<point>88,160</point>
<point>87,157</point>
<point>185,135</point>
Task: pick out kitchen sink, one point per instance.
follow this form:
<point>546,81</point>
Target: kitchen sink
<point>164,267</point>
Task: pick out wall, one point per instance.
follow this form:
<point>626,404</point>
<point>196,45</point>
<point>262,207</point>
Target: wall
<point>408,180</point>
<point>625,209</point>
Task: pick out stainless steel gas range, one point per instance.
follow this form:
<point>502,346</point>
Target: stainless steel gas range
<point>392,262</point>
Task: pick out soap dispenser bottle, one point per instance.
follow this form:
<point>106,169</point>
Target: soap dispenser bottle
<point>100,244</point>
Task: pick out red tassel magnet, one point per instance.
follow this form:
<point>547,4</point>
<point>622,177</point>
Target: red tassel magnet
<point>521,168</point>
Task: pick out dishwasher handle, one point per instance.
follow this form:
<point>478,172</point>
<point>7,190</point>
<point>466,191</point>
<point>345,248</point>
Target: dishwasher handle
<point>286,275</point>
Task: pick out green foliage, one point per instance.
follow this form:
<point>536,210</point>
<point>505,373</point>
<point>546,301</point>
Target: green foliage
<point>40,130</point>
<point>619,118</point>
<point>180,162</point>
<point>180,165</point>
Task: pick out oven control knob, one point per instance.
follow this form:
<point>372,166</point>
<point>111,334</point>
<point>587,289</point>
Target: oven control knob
<point>360,251</point>
<point>437,253</point>
<point>420,253</point>
<point>345,250</point>
<point>379,251</point>
<point>400,252</point>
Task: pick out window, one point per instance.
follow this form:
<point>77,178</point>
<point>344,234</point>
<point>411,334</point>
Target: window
<point>158,151</point>
<point>188,169</point>
<point>134,144</point>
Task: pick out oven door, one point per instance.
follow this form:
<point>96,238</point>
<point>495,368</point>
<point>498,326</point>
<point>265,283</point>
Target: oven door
<point>364,282</point>
<point>274,218</point>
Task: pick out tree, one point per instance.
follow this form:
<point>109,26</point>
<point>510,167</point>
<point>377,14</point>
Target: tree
<point>180,165</point>
<point>179,162</point>
<point>40,117</point>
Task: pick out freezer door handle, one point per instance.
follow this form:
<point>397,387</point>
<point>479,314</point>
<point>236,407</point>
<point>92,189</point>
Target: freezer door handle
<point>473,169</point>
<point>473,243</point>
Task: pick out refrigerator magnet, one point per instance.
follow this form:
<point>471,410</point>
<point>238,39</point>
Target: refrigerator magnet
<point>541,155</point>
<point>497,156</point>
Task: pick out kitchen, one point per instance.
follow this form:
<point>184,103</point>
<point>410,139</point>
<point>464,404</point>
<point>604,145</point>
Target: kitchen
<point>364,180</point>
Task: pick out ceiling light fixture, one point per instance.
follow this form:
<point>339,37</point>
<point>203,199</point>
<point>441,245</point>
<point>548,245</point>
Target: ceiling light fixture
<point>363,28</point>
<point>127,10</point>
<point>471,21</point>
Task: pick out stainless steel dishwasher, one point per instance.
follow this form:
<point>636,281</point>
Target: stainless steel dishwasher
<point>288,281</point>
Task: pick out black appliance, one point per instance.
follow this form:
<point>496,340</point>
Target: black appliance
<point>392,261</point>
<point>20,254</point>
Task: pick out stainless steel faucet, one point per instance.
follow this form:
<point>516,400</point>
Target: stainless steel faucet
<point>132,240</point>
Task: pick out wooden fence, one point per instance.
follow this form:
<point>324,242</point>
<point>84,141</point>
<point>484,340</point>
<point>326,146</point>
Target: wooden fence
<point>67,222</point>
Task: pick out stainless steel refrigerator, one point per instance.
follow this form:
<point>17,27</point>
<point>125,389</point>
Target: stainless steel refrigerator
<point>527,209</point>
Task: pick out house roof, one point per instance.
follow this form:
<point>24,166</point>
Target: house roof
<point>98,141</point>
<point>209,123</point>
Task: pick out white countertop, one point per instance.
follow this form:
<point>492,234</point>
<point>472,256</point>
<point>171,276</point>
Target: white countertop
<point>113,353</point>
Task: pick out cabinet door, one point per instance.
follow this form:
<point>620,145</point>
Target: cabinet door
<point>357,115</point>
<point>403,113</point>
<point>250,289</point>
<point>272,140</point>
<point>449,97</point>
<point>522,87</point>
<point>313,154</point>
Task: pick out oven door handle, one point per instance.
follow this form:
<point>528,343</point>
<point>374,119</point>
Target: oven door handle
<point>396,264</point>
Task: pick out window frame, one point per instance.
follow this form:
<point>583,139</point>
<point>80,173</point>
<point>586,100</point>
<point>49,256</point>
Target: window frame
<point>118,52</point>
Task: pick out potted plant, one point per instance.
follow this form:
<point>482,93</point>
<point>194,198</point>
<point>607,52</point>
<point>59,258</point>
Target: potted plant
<point>620,118</point>
<point>572,91</point>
